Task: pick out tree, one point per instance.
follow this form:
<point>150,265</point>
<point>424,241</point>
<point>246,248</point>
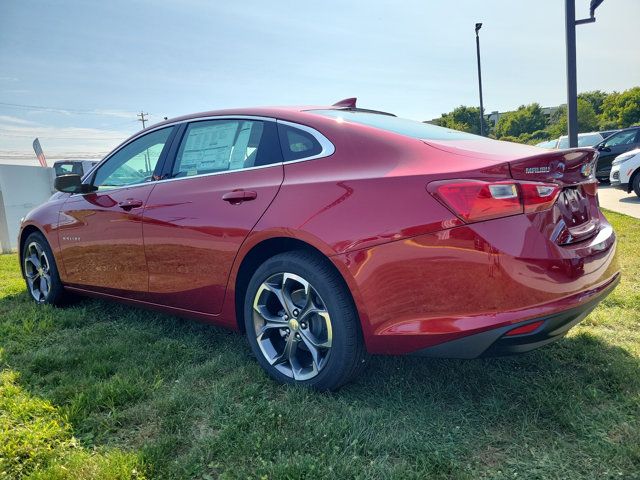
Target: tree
<point>620,110</point>
<point>527,119</point>
<point>466,119</point>
<point>595,98</point>
<point>587,119</point>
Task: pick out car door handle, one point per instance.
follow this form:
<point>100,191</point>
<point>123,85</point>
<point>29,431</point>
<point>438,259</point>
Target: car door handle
<point>239,195</point>
<point>130,203</point>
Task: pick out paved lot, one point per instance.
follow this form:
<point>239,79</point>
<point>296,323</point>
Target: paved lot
<point>619,201</point>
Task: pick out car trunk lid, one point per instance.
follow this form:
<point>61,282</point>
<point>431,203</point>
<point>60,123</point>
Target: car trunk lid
<point>576,210</point>
<point>574,217</point>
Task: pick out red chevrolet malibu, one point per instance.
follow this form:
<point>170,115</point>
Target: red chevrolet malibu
<point>326,234</point>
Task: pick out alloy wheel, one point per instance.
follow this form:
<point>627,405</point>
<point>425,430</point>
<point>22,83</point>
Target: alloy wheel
<point>292,326</point>
<point>37,271</point>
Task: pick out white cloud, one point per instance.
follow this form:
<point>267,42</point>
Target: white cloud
<point>16,137</point>
<point>15,120</point>
<point>61,133</point>
<point>115,113</point>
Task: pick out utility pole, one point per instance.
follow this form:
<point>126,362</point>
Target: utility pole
<point>478,27</point>
<point>572,84</point>
<point>142,118</point>
<point>147,162</point>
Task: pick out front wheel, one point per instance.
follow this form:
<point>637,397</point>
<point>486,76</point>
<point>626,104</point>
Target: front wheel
<point>301,322</point>
<point>40,271</point>
<point>636,184</point>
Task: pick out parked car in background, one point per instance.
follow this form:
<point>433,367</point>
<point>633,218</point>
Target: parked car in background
<point>548,144</point>
<point>625,172</point>
<point>584,140</point>
<point>327,233</point>
<point>79,167</point>
<point>614,145</point>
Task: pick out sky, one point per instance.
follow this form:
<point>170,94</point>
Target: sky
<point>75,73</point>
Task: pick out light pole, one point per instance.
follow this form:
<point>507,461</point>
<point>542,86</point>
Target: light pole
<point>478,27</point>
<point>572,86</point>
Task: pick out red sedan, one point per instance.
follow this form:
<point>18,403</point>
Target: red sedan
<point>329,233</point>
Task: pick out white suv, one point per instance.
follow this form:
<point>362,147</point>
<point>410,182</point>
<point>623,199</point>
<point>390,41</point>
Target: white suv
<point>625,171</point>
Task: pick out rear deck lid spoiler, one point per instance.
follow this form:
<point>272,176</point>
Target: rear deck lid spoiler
<point>566,167</point>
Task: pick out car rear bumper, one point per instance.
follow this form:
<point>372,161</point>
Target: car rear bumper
<point>603,173</point>
<point>429,293</point>
<point>497,342</point>
<point>620,185</point>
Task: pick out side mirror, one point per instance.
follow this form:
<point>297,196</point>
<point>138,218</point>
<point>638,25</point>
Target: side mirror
<point>72,183</point>
<point>602,148</point>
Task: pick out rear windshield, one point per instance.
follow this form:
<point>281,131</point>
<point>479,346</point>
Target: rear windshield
<point>403,126</point>
<point>587,140</point>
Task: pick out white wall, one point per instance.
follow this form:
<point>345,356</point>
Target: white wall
<point>22,188</point>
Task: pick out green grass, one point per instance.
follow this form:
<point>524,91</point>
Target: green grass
<point>101,390</point>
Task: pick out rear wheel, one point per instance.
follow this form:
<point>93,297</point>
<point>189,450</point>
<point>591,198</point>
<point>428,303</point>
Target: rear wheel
<point>40,271</point>
<point>301,322</point>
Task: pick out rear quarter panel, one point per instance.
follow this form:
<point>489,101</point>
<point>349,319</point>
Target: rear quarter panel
<point>370,191</point>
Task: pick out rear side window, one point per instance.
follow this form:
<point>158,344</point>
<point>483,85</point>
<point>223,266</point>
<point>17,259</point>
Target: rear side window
<point>297,144</point>
<point>215,146</point>
<point>589,140</point>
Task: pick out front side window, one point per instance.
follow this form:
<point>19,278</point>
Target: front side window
<point>217,146</point>
<point>621,138</point>
<point>134,163</point>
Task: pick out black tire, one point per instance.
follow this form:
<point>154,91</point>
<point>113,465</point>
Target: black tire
<point>346,355</point>
<point>636,183</point>
<point>36,245</point>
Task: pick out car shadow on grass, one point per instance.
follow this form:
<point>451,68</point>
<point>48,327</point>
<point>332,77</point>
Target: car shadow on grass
<point>192,400</point>
<point>552,382</point>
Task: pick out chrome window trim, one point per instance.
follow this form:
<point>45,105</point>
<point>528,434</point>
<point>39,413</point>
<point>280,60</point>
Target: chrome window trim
<point>171,124</point>
<point>155,182</point>
<point>226,172</point>
<point>328,148</point>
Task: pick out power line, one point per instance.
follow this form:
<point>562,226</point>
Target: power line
<point>56,110</point>
<point>57,137</point>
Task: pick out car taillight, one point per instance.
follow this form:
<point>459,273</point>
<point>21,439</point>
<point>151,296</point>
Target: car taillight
<point>538,196</point>
<point>476,200</point>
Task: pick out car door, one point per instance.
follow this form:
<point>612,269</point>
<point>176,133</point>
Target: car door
<point>613,146</point>
<point>100,233</point>
<point>224,175</point>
